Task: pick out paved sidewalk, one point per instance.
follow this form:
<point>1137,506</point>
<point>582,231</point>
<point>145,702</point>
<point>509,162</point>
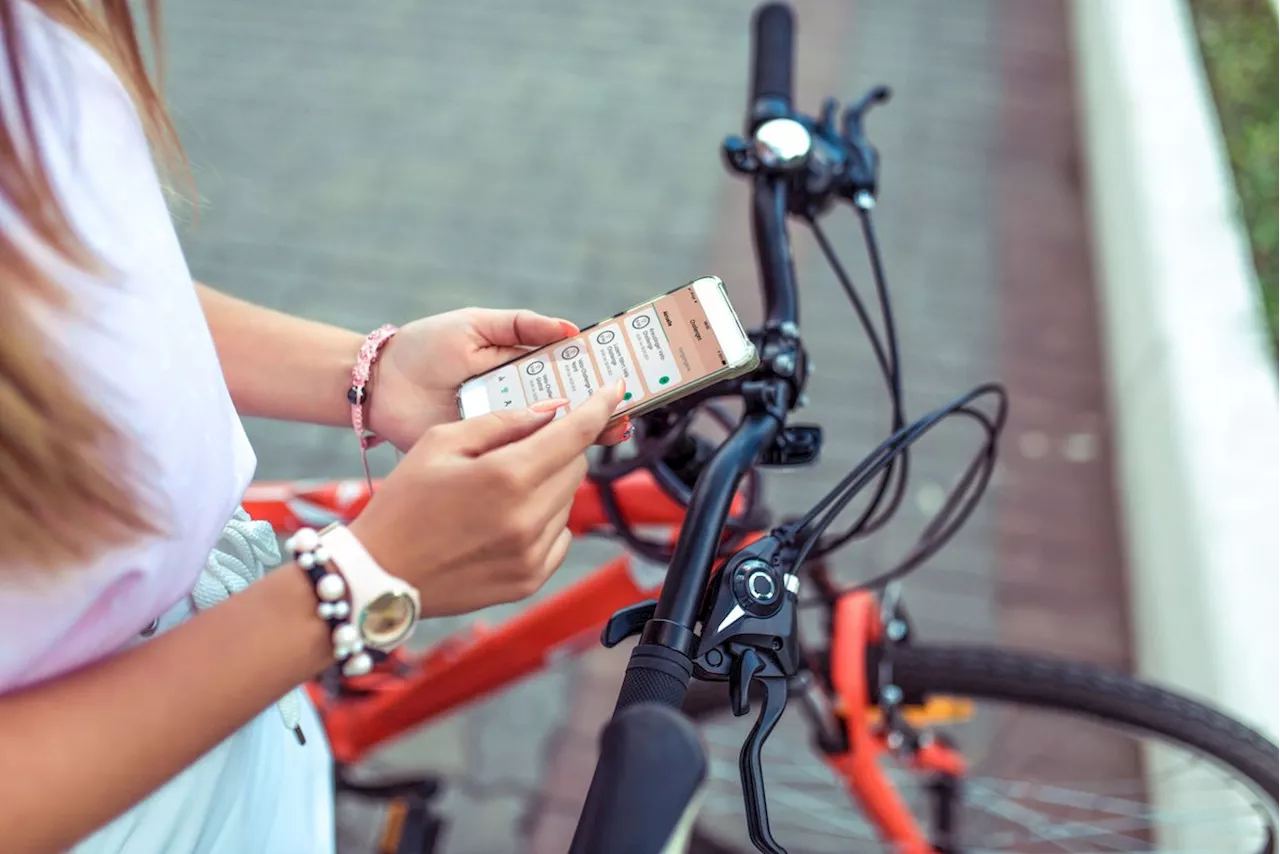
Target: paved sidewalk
<point>371,163</point>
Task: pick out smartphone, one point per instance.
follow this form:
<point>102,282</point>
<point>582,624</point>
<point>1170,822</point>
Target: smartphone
<point>684,340</point>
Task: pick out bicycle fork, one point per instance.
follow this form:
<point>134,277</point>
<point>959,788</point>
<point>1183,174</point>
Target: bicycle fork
<point>856,627</point>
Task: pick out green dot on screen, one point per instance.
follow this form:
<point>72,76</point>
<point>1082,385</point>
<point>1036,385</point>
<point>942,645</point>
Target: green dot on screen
<point>663,380</point>
<point>627,396</point>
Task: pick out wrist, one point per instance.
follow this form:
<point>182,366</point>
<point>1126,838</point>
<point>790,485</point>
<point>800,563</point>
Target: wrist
<point>380,416</point>
<point>341,359</point>
<point>378,547</point>
<point>290,604</point>
<point>333,354</point>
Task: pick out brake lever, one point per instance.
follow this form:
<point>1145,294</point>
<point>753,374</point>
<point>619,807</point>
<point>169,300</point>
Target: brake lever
<point>749,635</point>
<point>864,159</point>
<point>751,769</point>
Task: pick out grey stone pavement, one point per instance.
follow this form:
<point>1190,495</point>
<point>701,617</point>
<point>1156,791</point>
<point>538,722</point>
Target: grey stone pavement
<point>366,163</point>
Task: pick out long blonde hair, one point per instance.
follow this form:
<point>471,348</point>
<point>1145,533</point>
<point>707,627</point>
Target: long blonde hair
<point>65,493</point>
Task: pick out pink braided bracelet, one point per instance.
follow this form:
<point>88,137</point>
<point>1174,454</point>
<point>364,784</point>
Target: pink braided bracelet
<point>358,394</point>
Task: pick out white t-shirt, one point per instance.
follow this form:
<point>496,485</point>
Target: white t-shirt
<point>142,351</point>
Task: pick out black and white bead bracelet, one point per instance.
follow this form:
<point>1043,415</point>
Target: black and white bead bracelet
<point>334,601</point>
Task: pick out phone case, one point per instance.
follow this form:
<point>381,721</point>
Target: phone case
<point>746,365</point>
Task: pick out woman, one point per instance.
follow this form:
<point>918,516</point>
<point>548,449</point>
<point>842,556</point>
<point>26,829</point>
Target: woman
<point>135,704</point>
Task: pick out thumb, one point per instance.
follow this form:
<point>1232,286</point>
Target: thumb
<point>476,436</point>
<point>520,328</point>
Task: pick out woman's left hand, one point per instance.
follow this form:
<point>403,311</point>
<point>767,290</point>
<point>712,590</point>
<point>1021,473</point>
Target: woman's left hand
<point>416,379</point>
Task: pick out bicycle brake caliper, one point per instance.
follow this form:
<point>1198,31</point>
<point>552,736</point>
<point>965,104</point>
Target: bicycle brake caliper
<point>749,635</point>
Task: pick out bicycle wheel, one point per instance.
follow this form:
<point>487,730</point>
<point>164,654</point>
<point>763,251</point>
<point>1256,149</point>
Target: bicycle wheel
<point>1053,765</point>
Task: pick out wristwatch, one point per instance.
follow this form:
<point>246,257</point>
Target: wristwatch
<point>384,609</point>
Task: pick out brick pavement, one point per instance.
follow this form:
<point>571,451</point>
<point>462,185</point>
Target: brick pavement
<point>368,163</point>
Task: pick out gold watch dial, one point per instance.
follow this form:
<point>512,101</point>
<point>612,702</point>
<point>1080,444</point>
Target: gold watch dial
<point>387,619</point>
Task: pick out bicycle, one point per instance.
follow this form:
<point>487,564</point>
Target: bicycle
<point>883,708</point>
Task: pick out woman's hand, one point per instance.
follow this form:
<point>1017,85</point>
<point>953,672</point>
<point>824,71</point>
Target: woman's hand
<point>417,377</point>
<point>475,513</point>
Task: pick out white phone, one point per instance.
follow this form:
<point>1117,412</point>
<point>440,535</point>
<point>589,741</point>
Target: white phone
<point>664,349</point>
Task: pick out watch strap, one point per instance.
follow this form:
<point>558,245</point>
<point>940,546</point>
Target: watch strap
<point>366,580</point>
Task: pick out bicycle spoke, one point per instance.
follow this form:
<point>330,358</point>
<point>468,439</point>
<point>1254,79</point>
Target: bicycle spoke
<point>1028,806</point>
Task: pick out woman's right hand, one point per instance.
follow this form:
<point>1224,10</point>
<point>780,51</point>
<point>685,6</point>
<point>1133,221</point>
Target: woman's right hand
<point>475,513</point>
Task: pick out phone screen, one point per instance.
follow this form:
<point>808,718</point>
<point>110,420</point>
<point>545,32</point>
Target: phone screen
<point>662,345</point>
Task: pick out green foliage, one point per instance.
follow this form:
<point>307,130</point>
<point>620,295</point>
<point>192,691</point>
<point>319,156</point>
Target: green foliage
<point>1238,41</point>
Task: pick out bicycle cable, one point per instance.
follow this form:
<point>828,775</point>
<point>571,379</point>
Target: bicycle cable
<point>890,368</point>
<point>810,527</point>
<point>891,461</point>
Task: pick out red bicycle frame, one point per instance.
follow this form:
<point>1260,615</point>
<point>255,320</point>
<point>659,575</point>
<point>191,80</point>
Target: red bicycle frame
<point>411,689</point>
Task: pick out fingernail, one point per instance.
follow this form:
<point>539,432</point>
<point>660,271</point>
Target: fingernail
<point>544,406</point>
<point>629,432</point>
<point>619,389</point>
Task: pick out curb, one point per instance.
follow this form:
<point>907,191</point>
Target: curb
<point>1192,385</point>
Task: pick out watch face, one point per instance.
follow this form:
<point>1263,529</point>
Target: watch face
<point>387,619</point>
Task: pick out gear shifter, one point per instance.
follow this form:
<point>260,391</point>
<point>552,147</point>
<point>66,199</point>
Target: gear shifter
<point>745,668</point>
<point>749,635</point>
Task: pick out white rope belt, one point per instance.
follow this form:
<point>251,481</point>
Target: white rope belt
<point>242,555</point>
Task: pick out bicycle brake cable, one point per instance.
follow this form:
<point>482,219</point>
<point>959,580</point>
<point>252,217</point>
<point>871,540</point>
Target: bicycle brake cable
<point>910,436</point>
<point>880,456</point>
<point>949,519</point>
<point>939,530</point>
<point>897,473</point>
<point>813,524</point>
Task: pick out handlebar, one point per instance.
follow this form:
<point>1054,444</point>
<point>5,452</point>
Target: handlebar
<point>773,252</point>
<point>661,664</point>
<point>690,569</point>
<point>772,59</point>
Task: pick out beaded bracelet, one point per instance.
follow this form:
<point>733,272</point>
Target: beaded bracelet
<point>334,602</point>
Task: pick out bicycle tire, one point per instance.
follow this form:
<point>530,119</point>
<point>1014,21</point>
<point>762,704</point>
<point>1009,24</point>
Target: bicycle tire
<point>1038,681</point>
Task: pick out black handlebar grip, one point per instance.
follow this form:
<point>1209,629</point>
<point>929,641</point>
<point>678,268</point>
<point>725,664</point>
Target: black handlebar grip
<point>771,58</point>
<point>652,764</point>
<point>655,674</point>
